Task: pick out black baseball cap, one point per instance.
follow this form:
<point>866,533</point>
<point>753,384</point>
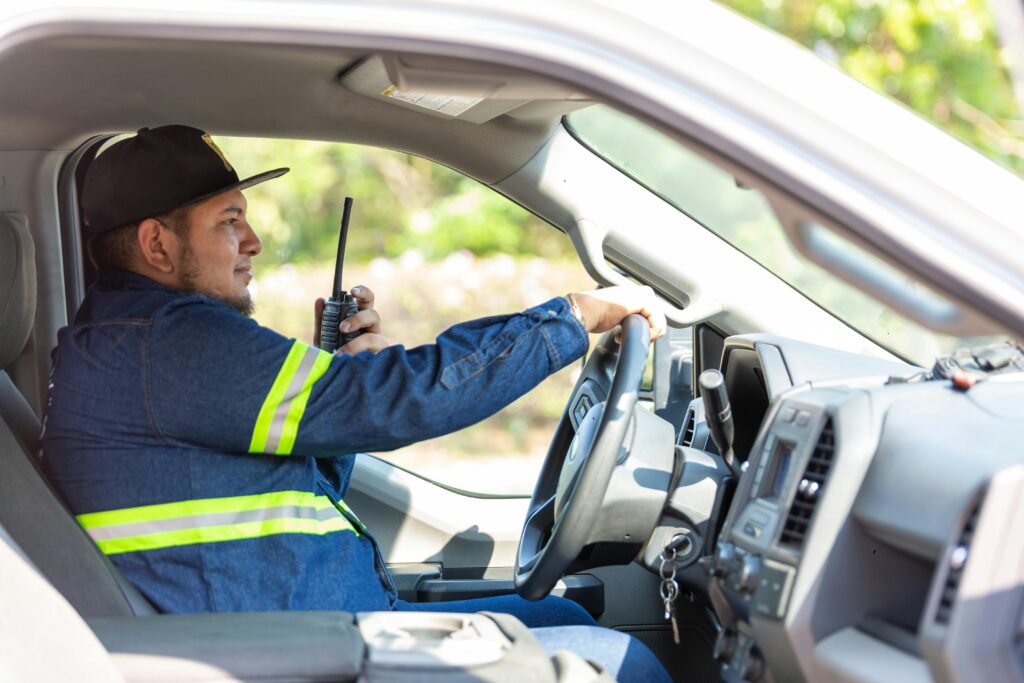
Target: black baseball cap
<point>154,172</point>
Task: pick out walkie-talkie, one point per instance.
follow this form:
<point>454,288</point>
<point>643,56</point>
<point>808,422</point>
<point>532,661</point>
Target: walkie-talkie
<point>341,305</point>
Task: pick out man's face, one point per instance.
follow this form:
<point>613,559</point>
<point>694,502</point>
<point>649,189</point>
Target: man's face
<point>216,258</point>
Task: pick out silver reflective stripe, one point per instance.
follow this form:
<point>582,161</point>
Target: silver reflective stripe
<point>216,519</point>
<point>294,387</point>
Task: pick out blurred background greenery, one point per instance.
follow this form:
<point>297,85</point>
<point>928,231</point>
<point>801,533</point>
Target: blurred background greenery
<point>439,248</point>
<point>402,203</point>
<point>939,57</point>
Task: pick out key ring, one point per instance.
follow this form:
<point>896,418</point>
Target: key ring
<point>671,562</point>
<point>669,591</point>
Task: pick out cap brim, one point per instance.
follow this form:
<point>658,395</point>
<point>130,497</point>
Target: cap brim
<point>257,179</point>
<point>240,185</point>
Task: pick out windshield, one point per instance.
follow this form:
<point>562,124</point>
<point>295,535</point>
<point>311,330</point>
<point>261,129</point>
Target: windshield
<point>744,219</point>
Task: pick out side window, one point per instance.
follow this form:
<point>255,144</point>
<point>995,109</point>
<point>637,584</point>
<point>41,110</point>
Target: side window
<point>436,248</point>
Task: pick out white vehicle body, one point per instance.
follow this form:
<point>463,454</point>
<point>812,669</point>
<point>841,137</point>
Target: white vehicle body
<point>822,148</point>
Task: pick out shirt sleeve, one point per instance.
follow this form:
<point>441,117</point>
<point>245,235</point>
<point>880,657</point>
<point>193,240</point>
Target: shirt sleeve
<point>219,380</point>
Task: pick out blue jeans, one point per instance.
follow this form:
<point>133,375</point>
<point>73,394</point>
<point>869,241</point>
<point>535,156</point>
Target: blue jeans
<point>561,624</point>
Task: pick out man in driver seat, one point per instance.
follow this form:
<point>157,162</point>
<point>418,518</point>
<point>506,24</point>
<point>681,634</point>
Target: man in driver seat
<point>208,456</point>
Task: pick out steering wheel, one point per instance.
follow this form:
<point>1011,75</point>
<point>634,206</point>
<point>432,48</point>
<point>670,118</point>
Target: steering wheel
<point>578,466</point>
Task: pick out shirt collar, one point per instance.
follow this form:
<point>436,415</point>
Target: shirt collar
<point>116,278</point>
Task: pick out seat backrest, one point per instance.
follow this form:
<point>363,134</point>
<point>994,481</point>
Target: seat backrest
<point>30,510</point>
<point>17,285</point>
<point>41,636</point>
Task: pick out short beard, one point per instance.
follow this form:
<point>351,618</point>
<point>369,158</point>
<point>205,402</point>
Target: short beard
<point>190,277</point>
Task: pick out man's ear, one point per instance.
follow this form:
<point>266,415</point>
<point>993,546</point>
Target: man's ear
<point>157,244</point>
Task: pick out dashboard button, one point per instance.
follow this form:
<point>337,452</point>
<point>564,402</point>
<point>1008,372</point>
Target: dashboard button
<point>802,418</point>
<point>787,414</point>
<point>750,570</point>
<point>760,517</point>
<point>751,530</point>
<point>772,586</point>
<point>752,667</point>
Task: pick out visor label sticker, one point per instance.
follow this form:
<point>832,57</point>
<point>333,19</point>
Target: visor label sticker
<point>452,105</point>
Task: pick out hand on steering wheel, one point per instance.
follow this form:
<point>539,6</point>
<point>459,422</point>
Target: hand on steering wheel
<point>604,309</point>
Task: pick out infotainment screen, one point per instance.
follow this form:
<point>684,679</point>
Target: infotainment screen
<point>778,469</point>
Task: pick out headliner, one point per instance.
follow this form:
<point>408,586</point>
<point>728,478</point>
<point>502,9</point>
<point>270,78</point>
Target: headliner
<point>121,84</point>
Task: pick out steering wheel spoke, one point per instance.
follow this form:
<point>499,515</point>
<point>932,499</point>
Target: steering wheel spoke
<point>538,524</point>
<point>543,516</point>
<point>578,467</point>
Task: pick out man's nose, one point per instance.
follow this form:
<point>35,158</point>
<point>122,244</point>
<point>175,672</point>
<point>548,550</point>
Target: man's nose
<point>251,243</point>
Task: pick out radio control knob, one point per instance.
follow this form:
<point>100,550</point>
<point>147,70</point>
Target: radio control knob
<point>808,488</point>
<point>724,555</point>
<point>725,645</point>
<point>750,569</point>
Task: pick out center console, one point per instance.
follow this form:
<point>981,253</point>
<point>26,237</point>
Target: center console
<point>425,646</point>
<point>755,562</point>
<point>369,647</point>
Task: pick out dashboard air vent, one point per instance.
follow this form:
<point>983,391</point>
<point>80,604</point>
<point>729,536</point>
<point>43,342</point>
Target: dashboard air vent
<point>798,521</point>
<point>955,569</point>
<point>686,439</point>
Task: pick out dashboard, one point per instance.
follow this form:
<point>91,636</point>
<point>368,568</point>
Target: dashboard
<point>874,531</point>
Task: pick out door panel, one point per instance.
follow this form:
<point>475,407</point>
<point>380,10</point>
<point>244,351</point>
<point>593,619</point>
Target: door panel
<point>416,520</point>
<point>439,542</point>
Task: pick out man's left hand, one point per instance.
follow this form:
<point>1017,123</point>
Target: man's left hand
<point>367,319</point>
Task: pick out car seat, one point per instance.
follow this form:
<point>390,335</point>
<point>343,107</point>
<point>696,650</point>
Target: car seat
<point>30,511</point>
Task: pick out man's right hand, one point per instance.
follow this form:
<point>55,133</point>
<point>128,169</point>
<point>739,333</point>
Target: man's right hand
<point>367,320</point>
<point>603,309</point>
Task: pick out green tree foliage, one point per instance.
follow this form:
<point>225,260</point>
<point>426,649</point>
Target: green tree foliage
<point>402,203</point>
<point>939,57</point>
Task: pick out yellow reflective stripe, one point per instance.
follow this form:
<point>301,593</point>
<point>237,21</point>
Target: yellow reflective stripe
<point>231,532</point>
<point>277,390</point>
<point>278,421</point>
<point>298,406</point>
<point>204,506</point>
<point>211,520</point>
<point>347,511</point>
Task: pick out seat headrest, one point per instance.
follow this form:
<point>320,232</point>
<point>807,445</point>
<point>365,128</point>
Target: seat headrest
<point>17,285</point>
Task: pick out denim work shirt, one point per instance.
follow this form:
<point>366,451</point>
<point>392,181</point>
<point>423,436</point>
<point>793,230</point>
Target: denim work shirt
<point>207,456</point>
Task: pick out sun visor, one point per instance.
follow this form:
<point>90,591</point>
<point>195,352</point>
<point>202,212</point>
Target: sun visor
<point>459,90</point>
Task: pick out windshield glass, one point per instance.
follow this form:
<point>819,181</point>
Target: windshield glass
<point>744,219</point>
